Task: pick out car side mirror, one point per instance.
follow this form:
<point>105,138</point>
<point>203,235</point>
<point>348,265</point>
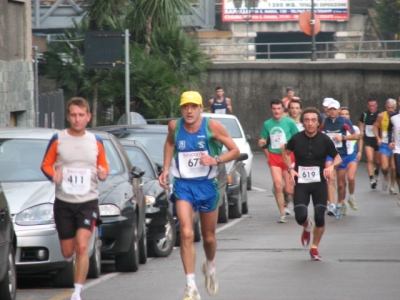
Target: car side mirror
<point>248,137</point>
<point>137,172</point>
<point>242,156</point>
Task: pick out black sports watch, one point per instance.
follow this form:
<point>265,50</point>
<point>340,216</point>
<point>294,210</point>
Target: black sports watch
<point>218,159</point>
<point>289,169</point>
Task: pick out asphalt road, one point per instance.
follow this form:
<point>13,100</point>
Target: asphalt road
<point>259,259</point>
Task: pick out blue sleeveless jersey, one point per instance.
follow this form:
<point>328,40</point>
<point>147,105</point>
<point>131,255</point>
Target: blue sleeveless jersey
<point>188,147</point>
<point>338,126</point>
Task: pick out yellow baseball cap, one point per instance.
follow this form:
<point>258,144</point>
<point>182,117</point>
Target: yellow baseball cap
<point>191,97</point>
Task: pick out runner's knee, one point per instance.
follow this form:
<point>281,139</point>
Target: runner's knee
<point>319,215</point>
<point>301,214</point>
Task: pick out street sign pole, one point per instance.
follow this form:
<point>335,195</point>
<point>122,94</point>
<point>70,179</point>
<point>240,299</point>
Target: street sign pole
<point>127,78</point>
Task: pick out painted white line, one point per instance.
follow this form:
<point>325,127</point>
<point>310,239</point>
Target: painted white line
<point>230,224</point>
<point>112,275</point>
<point>100,280</point>
<point>258,189</point>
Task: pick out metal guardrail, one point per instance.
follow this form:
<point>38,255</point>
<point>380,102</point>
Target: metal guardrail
<point>388,49</point>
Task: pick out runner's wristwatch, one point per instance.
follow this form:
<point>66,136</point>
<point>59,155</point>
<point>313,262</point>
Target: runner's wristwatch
<point>289,169</point>
<point>218,159</point>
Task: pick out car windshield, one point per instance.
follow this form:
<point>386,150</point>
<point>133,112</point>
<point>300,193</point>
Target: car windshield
<point>138,158</point>
<point>154,143</point>
<point>21,159</point>
<point>231,126</point>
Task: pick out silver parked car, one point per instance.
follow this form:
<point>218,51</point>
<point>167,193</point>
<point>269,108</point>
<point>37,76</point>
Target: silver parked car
<point>31,196</point>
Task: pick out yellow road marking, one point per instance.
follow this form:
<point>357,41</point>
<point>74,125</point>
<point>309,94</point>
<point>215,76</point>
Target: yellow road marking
<point>62,296</point>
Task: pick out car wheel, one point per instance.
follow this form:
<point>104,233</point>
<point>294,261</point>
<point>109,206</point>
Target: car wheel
<point>235,211</point>
<point>178,239</point>
<point>164,246</point>
<point>129,262</point>
<point>223,212</point>
<point>249,182</point>
<point>143,246</point>
<point>95,259</point>
<point>64,278</point>
<point>8,287</point>
<point>245,208</point>
<point>197,229</point>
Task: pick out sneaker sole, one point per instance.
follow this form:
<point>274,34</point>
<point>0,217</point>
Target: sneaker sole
<point>330,213</point>
<point>316,258</point>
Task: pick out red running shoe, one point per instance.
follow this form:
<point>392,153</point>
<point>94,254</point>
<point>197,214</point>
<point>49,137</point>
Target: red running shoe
<point>306,235</point>
<point>314,254</point>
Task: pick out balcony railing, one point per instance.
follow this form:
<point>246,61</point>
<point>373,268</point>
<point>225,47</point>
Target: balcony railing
<point>389,49</point>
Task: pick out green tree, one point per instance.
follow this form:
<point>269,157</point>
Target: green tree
<point>164,60</point>
<point>389,15</point>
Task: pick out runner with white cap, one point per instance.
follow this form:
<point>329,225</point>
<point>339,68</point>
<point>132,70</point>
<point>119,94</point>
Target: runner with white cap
<point>337,128</point>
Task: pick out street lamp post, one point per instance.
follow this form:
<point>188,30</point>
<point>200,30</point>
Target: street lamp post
<point>249,4</point>
<point>312,23</point>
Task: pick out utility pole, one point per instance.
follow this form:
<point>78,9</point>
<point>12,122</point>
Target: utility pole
<point>312,23</point>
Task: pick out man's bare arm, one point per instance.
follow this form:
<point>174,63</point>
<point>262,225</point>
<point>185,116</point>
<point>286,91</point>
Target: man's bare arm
<point>220,134</point>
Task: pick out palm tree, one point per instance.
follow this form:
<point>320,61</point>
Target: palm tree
<point>149,15</point>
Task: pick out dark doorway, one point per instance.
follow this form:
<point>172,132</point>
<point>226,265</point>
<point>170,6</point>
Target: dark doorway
<point>289,37</point>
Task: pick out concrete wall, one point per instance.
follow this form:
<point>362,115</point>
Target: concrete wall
<point>251,86</point>
<point>15,30</point>
<point>16,93</point>
<point>16,73</point>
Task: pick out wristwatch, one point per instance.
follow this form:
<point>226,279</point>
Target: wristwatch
<point>289,169</point>
<point>218,159</point>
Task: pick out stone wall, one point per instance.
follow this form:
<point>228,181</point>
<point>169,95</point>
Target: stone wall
<point>252,85</point>
<point>16,93</point>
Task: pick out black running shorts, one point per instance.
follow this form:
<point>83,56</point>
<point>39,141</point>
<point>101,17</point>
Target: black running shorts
<point>69,217</point>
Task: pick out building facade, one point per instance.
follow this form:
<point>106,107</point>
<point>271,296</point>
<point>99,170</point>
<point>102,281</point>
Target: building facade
<point>16,68</point>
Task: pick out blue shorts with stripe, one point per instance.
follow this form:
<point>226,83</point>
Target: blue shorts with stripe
<point>203,195</point>
<point>384,149</point>
<point>346,159</point>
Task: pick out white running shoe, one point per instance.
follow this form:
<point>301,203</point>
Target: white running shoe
<point>282,218</point>
<point>76,296</point>
<point>191,293</point>
<point>352,203</point>
<point>392,191</point>
<point>211,281</point>
<point>331,210</point>
<point>287,211</point>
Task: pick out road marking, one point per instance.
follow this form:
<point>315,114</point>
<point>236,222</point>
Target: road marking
<point>230,224</point>
<point>66,294</point>
<point>61,296</point>
<point>258,189</point>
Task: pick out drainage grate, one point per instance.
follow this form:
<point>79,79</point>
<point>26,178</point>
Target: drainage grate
<point>371,260</point>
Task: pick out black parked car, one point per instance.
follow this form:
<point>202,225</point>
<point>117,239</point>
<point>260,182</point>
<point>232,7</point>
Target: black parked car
<point>122,208</point>
<point>161,232</point>
<point>8,273</point>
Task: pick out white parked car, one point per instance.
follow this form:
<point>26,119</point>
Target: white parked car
<point>235,130</point>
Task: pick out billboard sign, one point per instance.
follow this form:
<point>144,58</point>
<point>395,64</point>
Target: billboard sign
<point>282,10</point>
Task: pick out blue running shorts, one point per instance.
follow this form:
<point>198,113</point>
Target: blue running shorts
<point>203,195</point>
<point>384,149</point>
<point>346,159</point>
<point>328,158</point>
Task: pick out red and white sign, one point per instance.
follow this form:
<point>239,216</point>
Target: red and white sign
<point>283,10</point>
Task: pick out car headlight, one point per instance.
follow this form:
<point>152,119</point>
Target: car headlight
<point>36,215</point>
<point>109,210</point>
<point>150,200</point>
